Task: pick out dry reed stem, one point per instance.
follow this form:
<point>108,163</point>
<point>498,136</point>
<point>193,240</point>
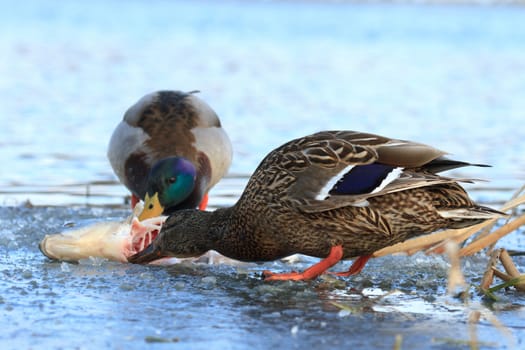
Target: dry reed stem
<point>461,236</point>
<point>398,341</point>
<point>502,275</point>
<point>448,241</point>
<point>456,281</point>
<point>473,320</point>
<point>498,325</point>
<point>517,282</point>
<point>508,264</point>
<point>479,244</point>
<point>511,274</point>
<point>434,243</point>
<point>488,276</point>
<point>512,271</point>
<point>417,244</point>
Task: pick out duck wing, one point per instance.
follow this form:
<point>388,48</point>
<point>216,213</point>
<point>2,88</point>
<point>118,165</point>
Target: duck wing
<point>333,169</point>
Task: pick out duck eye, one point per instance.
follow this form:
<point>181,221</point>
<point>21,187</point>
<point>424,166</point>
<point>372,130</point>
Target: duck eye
<point>172,180</point>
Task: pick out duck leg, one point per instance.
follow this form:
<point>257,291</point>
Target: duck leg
<point>335,255</point>
<point>134,200</point>
<point>204,202</point>
<point>356,267</point>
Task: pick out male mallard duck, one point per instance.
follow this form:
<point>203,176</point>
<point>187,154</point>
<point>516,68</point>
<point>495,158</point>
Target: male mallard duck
<point>334,195</point>
<point>169,150</point>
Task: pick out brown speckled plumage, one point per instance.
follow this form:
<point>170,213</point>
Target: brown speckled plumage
<point>284,209</point>
<point>169,117</point>
<point>166,124</point>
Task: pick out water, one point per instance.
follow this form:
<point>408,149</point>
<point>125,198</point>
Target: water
<point>111,305</point>
<point>450,76</point>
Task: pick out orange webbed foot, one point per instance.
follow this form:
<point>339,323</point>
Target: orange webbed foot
<point>272,276</point>
<point>335,255</point>
<point>204,202</point>
<point>357,266</point>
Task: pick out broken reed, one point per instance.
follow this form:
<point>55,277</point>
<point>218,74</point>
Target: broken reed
<point>485,236</point>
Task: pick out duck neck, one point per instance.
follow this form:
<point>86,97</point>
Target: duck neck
<point>201,231</point>
<point>221,233</point>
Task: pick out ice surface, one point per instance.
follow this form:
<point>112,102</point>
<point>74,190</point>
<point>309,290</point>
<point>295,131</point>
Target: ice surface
<point>201,305</point>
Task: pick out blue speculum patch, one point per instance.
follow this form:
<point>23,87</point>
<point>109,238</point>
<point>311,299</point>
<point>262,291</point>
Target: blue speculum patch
<point>362,179</point>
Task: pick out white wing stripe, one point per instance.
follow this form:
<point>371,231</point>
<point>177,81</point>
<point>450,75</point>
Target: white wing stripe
<point>323,193</point>
<point>392,176</point>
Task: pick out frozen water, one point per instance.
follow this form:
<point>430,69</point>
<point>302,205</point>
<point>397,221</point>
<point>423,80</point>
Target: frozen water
<point>113,305</point>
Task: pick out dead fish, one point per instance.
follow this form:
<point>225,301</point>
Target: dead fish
<point>112,240</point>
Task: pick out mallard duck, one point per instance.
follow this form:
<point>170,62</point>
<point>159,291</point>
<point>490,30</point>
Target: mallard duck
<point>169,150</point>
<point>333,195</point>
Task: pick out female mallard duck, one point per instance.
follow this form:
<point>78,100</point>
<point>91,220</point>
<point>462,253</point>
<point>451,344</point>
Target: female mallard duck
<point>334,195</point>
<point>169,150</point>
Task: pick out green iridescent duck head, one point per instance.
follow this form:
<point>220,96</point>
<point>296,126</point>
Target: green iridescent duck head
<point>170,182</point>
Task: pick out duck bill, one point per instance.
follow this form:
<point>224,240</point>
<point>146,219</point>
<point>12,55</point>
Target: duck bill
<point>149,254</point>
<point>152,207</point>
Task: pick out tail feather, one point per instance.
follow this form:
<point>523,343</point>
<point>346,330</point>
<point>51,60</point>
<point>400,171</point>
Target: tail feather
<point>466,217</point>
<point>477,212</point>
<point>443,164</point>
